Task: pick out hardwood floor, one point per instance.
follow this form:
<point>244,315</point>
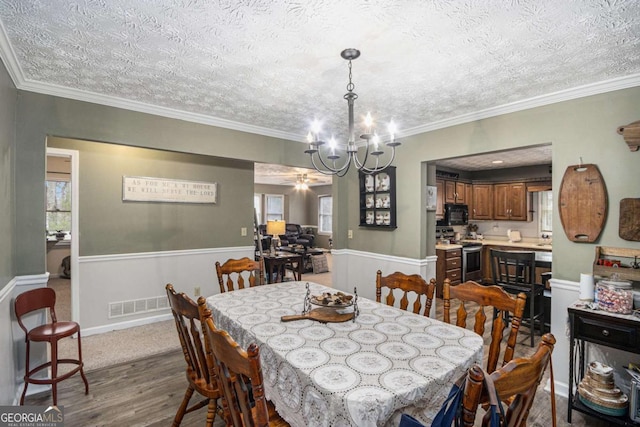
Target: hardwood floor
<point>147,392</point>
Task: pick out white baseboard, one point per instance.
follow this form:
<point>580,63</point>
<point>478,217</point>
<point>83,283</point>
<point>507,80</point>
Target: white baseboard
<point>126,324</point>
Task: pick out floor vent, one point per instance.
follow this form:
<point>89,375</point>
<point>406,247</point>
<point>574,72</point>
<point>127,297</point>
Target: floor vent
<point>137,306</point>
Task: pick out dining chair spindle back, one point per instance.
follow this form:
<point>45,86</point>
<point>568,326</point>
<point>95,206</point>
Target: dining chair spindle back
<point>187,318</point>
<point>515,383</point>
<point>239,377</point>
<point>503,304</point>
<point>253,270</point>
<point>410,286</point>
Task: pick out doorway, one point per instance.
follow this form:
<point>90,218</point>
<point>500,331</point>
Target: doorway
<point>67,162</point>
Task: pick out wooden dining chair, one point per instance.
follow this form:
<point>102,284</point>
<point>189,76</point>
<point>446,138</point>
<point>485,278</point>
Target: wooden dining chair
<point>187,318</point>
<point>410,286</point>
<point>235,268</point>
<point>239,377</point>
<point>515,383</point>
<point>515,272</point>
<point>502,304</point>
<point>41,299</point>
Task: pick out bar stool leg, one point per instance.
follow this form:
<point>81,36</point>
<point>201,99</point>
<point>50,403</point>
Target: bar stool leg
<point>54,371</point>
<point>86,383</point>
<point>26,373</point>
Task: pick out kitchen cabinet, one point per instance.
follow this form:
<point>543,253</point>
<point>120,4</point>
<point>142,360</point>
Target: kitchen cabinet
<point>454,192</point>
<point>482,203</point>
<point>378,199</point>
<point>448,266</point>
<point>510,201</point>
<point>602,329</point>
<point>468,197</point>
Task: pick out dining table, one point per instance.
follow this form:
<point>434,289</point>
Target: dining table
<point>367,371</point>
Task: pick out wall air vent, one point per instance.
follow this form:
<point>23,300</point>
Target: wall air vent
<point>137,306</point>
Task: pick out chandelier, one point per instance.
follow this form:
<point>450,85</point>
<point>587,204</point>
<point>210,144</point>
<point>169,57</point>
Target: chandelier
<point>330,160</point>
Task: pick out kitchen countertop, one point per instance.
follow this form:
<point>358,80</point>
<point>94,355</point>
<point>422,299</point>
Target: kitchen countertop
<point>494,242</point>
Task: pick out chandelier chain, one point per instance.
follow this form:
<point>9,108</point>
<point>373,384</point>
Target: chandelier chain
<point>350,86</point>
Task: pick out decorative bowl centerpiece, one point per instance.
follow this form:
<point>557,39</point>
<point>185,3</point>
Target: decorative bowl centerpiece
<point>337,300</point>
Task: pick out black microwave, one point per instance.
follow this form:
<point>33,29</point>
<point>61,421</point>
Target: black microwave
<point>456,214</point>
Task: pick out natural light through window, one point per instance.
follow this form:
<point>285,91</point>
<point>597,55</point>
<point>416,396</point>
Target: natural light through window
<point>545,207</point>
<point>325,211</point>
<point>58,206</point>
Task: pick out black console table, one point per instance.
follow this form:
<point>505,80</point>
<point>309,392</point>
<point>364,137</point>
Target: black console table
<point>602,328</point>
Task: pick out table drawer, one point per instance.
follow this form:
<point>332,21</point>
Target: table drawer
<point>454,275</point>
<point>614,335</point>
<point>453,263</point>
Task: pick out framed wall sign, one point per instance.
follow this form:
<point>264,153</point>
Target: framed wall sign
<point>145,189</point>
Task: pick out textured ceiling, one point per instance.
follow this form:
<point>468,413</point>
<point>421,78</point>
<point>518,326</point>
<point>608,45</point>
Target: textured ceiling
<point>272,66</point>
<point>530,156</point>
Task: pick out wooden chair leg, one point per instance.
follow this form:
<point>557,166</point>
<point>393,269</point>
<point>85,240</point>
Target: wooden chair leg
<point>212,409</point>
<point>183,407</point>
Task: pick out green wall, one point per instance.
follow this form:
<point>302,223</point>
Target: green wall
<point>579,128</point>
<point>8,98</point>
<point>43,116</point>
<point>582,128</point>
<point>109,225</point>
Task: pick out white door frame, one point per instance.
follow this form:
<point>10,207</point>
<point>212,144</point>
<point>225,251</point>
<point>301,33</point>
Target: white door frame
<point>74,155</point>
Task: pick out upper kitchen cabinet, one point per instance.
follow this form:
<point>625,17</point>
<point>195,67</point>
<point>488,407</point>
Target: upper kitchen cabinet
<point>510,201</point>
<point>454,192</point>
<point>482,203</point>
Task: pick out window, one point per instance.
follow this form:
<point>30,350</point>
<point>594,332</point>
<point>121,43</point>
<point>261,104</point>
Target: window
<point>58,205</point>
<point>545,207</point>
<point>325,211</point>
<point>274,207</point>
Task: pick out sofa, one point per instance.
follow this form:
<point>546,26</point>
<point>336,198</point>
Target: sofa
<point>294,235</point>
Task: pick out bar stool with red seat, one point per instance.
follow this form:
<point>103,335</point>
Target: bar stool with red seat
<point>39,299</point>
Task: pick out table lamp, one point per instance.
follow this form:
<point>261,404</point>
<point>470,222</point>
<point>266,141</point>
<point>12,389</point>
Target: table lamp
<point>275,229</point>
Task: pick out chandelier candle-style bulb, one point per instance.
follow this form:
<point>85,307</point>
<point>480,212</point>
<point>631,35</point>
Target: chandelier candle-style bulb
<point>328,160</point>
<point>368,123</point>
<point>376,141</point>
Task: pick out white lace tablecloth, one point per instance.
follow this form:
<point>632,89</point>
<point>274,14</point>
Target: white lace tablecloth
<point>362,373</point>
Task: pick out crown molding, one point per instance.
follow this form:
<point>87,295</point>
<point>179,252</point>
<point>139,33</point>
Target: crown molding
<point>526,104</point>
<point>141,107</point>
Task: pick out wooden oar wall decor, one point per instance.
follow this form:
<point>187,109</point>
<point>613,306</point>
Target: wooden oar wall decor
<point>583,203</point>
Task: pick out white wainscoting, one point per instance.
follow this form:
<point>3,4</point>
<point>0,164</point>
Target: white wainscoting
<point>358,269</point>
<point>112,278</point>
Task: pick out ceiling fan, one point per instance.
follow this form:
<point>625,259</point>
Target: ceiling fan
<point>302,182</point>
